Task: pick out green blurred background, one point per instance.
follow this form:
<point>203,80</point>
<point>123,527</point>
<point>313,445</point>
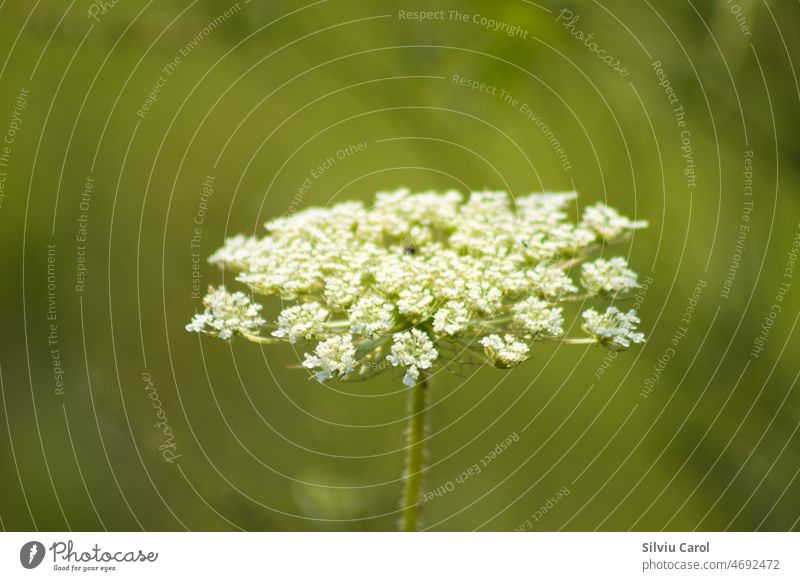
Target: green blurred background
<point>261,97</point>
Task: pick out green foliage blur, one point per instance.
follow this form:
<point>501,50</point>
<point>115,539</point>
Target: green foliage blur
<point>106,227</point>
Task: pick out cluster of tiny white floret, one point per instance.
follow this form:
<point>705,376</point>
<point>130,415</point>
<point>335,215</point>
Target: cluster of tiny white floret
<point>413,276</point>
<point>534,316</point>
<point>451,318</point>
<point>607,222</point>
<point>613,328</point>
<point>372,315</point>
<point>334,357</point>
<point>413,350</point>
<point>304,321</point>
<point>227,314</point>
<point>506,351</point>
<point>608,276</point>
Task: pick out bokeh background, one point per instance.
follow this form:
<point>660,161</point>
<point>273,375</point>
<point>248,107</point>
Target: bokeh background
<point>703,436</point>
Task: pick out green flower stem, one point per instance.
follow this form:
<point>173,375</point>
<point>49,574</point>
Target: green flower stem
<point>567,341</point>
<point>262,340</point>
<point>415,455</point>
<point>574,298</point>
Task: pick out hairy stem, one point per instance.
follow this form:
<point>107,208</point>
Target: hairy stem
<point>415,455</point>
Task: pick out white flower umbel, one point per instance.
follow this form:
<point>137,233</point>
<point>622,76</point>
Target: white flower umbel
<point>334,357</point>
<point>505,352</point>
<point>607,222</point>
<point>613,328</point>
<point>394,275</point>
<point>413,350</point>
<point>416,302</point>
<point>372,315</point>
<point>375,285</point>
<point>304,321</point>
<point>343,290</point>
<point>452,318</point>
<point>550,281</point>
<point>534,316</point>
<point>608,277</point>
<point>227,314</point>
<point>484,297</point>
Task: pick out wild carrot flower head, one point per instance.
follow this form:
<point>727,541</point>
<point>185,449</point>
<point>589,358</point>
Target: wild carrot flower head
<point>417,280</point>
